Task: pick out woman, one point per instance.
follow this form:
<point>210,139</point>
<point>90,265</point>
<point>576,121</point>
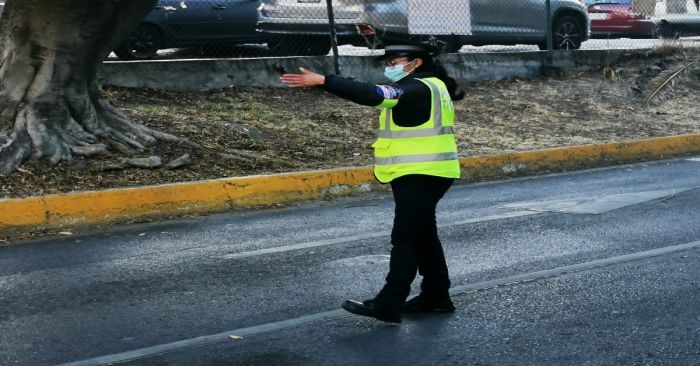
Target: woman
<point>416,153</point>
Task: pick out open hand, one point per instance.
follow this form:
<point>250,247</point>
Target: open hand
<point>304,79</point>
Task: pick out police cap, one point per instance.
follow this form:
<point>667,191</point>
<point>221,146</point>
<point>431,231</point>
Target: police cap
<point>422,50</point>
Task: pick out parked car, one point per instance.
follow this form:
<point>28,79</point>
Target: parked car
<point>493,22</point>
<point>678,19</point>
<point>2,5</point>
<point>191,23</point>
<point>616,19</point>
<point>301,26</point>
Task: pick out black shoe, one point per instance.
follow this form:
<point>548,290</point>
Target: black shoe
<point>423,304</point>
<point>368,308</point>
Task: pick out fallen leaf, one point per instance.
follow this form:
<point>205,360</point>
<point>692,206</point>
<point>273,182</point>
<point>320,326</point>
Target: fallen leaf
<point>66,233</point>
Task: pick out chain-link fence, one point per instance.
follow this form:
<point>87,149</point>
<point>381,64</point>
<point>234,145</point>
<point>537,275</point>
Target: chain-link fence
<point>275,28</point>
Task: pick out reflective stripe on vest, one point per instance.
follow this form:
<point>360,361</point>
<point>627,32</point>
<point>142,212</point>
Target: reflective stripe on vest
<point>426,149</point>
<point>427,132</point>
<point>421,158</point>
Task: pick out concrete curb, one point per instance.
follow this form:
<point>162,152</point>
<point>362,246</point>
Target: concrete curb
<point>121,205</point>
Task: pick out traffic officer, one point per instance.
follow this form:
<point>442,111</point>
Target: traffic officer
<point>416,153</point>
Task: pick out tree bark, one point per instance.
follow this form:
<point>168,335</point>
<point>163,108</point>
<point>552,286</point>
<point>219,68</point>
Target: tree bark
<point>50,104</point>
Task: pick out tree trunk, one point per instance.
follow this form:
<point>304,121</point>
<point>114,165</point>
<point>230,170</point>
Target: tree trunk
<point>50,104</point>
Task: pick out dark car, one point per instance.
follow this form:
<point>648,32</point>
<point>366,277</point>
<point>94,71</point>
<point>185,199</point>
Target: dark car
<point>616,18</point>
<point>192,23</point>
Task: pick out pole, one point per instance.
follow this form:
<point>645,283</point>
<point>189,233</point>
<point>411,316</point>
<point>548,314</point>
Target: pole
<point>334,36</point>
<point>550,36</point>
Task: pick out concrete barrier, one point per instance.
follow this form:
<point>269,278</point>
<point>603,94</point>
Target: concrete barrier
<point>122,205</point>
<point>212,74</point>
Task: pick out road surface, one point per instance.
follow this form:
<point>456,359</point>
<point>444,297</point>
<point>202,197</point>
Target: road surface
<point>597,267</point>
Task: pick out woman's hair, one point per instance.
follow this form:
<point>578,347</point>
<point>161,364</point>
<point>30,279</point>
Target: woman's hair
<point>432,64</point>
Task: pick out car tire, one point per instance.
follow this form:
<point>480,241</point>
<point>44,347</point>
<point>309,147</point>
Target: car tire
<point>568,33</point>
<point>299,46</point>
<point>142,44</point>
<point>664,31</point>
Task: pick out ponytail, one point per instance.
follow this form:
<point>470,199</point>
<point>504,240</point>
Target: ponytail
<point>432,64</point>
<point>456,92</point>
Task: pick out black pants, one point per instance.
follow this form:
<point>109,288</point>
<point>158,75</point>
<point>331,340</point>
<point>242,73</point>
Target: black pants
<point>416,246</point>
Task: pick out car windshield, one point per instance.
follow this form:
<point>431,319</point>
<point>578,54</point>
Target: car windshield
<point>593,2</point>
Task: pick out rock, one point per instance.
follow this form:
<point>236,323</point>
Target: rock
<point>258,135</point>
<point>146,163</point>
<point>255,134</point>
<point>232,157</point>
<point>180,162</point>
<point>653,70</point>
<point>113,166</point>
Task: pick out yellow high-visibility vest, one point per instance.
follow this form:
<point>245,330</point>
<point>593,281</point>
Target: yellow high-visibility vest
<point>427,149</point>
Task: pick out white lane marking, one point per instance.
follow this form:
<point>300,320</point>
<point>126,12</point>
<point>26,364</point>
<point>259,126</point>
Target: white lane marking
<point>348,239</point>
<point>598,205</point>
<point>333,315</point>
<point>694,159</point>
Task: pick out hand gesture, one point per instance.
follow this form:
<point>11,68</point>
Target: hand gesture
<point>304,79</point>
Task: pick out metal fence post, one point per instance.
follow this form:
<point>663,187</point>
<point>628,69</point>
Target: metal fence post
<point>334,37</point>
<point>550,36</point>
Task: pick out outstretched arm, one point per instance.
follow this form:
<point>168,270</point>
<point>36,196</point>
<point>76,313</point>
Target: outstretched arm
<point>352,90</point>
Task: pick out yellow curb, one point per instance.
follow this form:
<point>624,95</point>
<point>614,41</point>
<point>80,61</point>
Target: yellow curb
<point>120,205</point>
<point>577,157</point>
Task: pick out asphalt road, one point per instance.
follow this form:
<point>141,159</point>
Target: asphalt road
<point>598,267</point>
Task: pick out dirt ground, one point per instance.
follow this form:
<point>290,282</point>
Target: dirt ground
<point>248,131</point>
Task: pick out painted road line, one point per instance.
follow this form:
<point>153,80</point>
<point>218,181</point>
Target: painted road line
<point>334,315</point>
<point>375,235</point>
<point>580,267</point>
<point>598,204</point>
<point>694,159</point>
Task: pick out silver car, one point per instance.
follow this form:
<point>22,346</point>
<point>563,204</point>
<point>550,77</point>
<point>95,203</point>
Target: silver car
<point>362,22</point>
<point>301,26</point>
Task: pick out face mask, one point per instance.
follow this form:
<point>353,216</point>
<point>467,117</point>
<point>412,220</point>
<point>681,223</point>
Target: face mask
<point>395,73</point>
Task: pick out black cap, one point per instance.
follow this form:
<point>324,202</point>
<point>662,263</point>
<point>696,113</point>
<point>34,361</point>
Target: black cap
<point>423,50</point>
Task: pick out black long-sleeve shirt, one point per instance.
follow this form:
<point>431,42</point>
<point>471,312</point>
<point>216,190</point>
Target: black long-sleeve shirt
<point>414,98</point>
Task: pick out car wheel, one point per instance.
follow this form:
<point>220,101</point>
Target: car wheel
<point>300,46</point>
<point>663,30</point>
<point>142,44</point>
<point>568,33</point>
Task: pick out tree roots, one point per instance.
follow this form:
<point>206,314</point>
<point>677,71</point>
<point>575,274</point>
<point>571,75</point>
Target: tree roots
<point>57,128</point>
